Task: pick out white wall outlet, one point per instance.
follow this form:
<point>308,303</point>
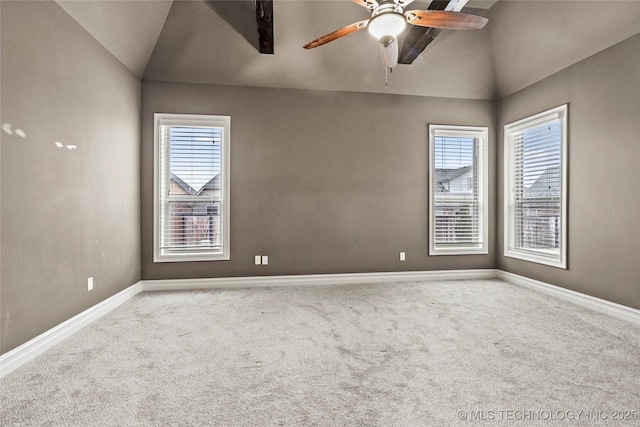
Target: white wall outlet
<point>257,260</point>
<point>90,284</point>
<point>265,260</point>
<point>402,256</point>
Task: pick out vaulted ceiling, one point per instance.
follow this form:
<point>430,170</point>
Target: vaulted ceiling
<point>210,41</point>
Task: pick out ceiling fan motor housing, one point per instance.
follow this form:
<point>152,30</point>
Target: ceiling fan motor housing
<point>387,21</point>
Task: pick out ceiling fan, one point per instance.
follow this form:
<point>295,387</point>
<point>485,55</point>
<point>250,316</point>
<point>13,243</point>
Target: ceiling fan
<point>388,20</point>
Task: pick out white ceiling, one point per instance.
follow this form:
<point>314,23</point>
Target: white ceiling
<point>194,41</point>
<point>533,39</point>
<point>128,29</point>
<point>210,50</point>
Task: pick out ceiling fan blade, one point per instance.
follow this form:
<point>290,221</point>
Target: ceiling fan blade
<point>445,19</point>
<point>369,4</point>
<point>357,26</point>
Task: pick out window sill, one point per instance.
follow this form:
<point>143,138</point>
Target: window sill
<point>538,259</point>
<point>190,257</point>
<point>458,251</point>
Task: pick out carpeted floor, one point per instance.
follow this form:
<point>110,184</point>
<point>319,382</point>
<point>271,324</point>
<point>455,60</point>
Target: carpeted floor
<point>394,354</point>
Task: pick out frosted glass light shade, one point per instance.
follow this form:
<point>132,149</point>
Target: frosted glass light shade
<point>387,24</point>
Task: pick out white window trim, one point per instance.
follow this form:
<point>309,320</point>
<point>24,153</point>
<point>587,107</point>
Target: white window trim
<point>193,120</point>
<point>482,134</point>
<point>557,113</point>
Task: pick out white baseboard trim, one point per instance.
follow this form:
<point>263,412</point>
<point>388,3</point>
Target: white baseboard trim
<point>611,308</point>
<point>314,279</point>
<point>38,345</point>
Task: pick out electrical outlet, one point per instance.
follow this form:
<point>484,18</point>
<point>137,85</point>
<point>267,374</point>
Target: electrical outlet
<point>90,284</point>
<point>402,256</point>
<point>265,260</point>
<point>257,260</point>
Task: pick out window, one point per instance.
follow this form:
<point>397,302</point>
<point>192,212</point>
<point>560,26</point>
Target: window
<point>191,213</point>
<point>458,191</point>
<point>535,189</point>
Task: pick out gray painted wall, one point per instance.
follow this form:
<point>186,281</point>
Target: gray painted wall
<point>603,93</point>
<point>321,182</point>
<point>67,214</point>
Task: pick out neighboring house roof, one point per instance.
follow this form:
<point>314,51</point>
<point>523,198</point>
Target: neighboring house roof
<point>186,187</point>
<point>446,175</point>
<point>213,184</point>
<point>547,184</point>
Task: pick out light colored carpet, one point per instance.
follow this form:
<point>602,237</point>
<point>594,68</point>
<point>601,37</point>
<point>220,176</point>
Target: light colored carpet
<point>394,354</point>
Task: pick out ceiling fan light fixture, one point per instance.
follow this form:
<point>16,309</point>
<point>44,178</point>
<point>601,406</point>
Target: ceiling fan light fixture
<point>386,25</point>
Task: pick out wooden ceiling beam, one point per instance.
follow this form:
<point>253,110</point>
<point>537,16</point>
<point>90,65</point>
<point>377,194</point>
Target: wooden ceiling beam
<point>264,17</point>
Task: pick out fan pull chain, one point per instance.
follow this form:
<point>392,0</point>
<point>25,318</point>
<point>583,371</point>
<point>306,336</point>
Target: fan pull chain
<point>387,71</point>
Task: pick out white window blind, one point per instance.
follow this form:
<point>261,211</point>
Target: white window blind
<point>192,206</point>
<point>535,188</point>
<point>458,190</point>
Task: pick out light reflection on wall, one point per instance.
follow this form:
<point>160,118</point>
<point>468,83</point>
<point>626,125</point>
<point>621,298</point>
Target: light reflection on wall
<point>69,146</point>
<point>6,127</point>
